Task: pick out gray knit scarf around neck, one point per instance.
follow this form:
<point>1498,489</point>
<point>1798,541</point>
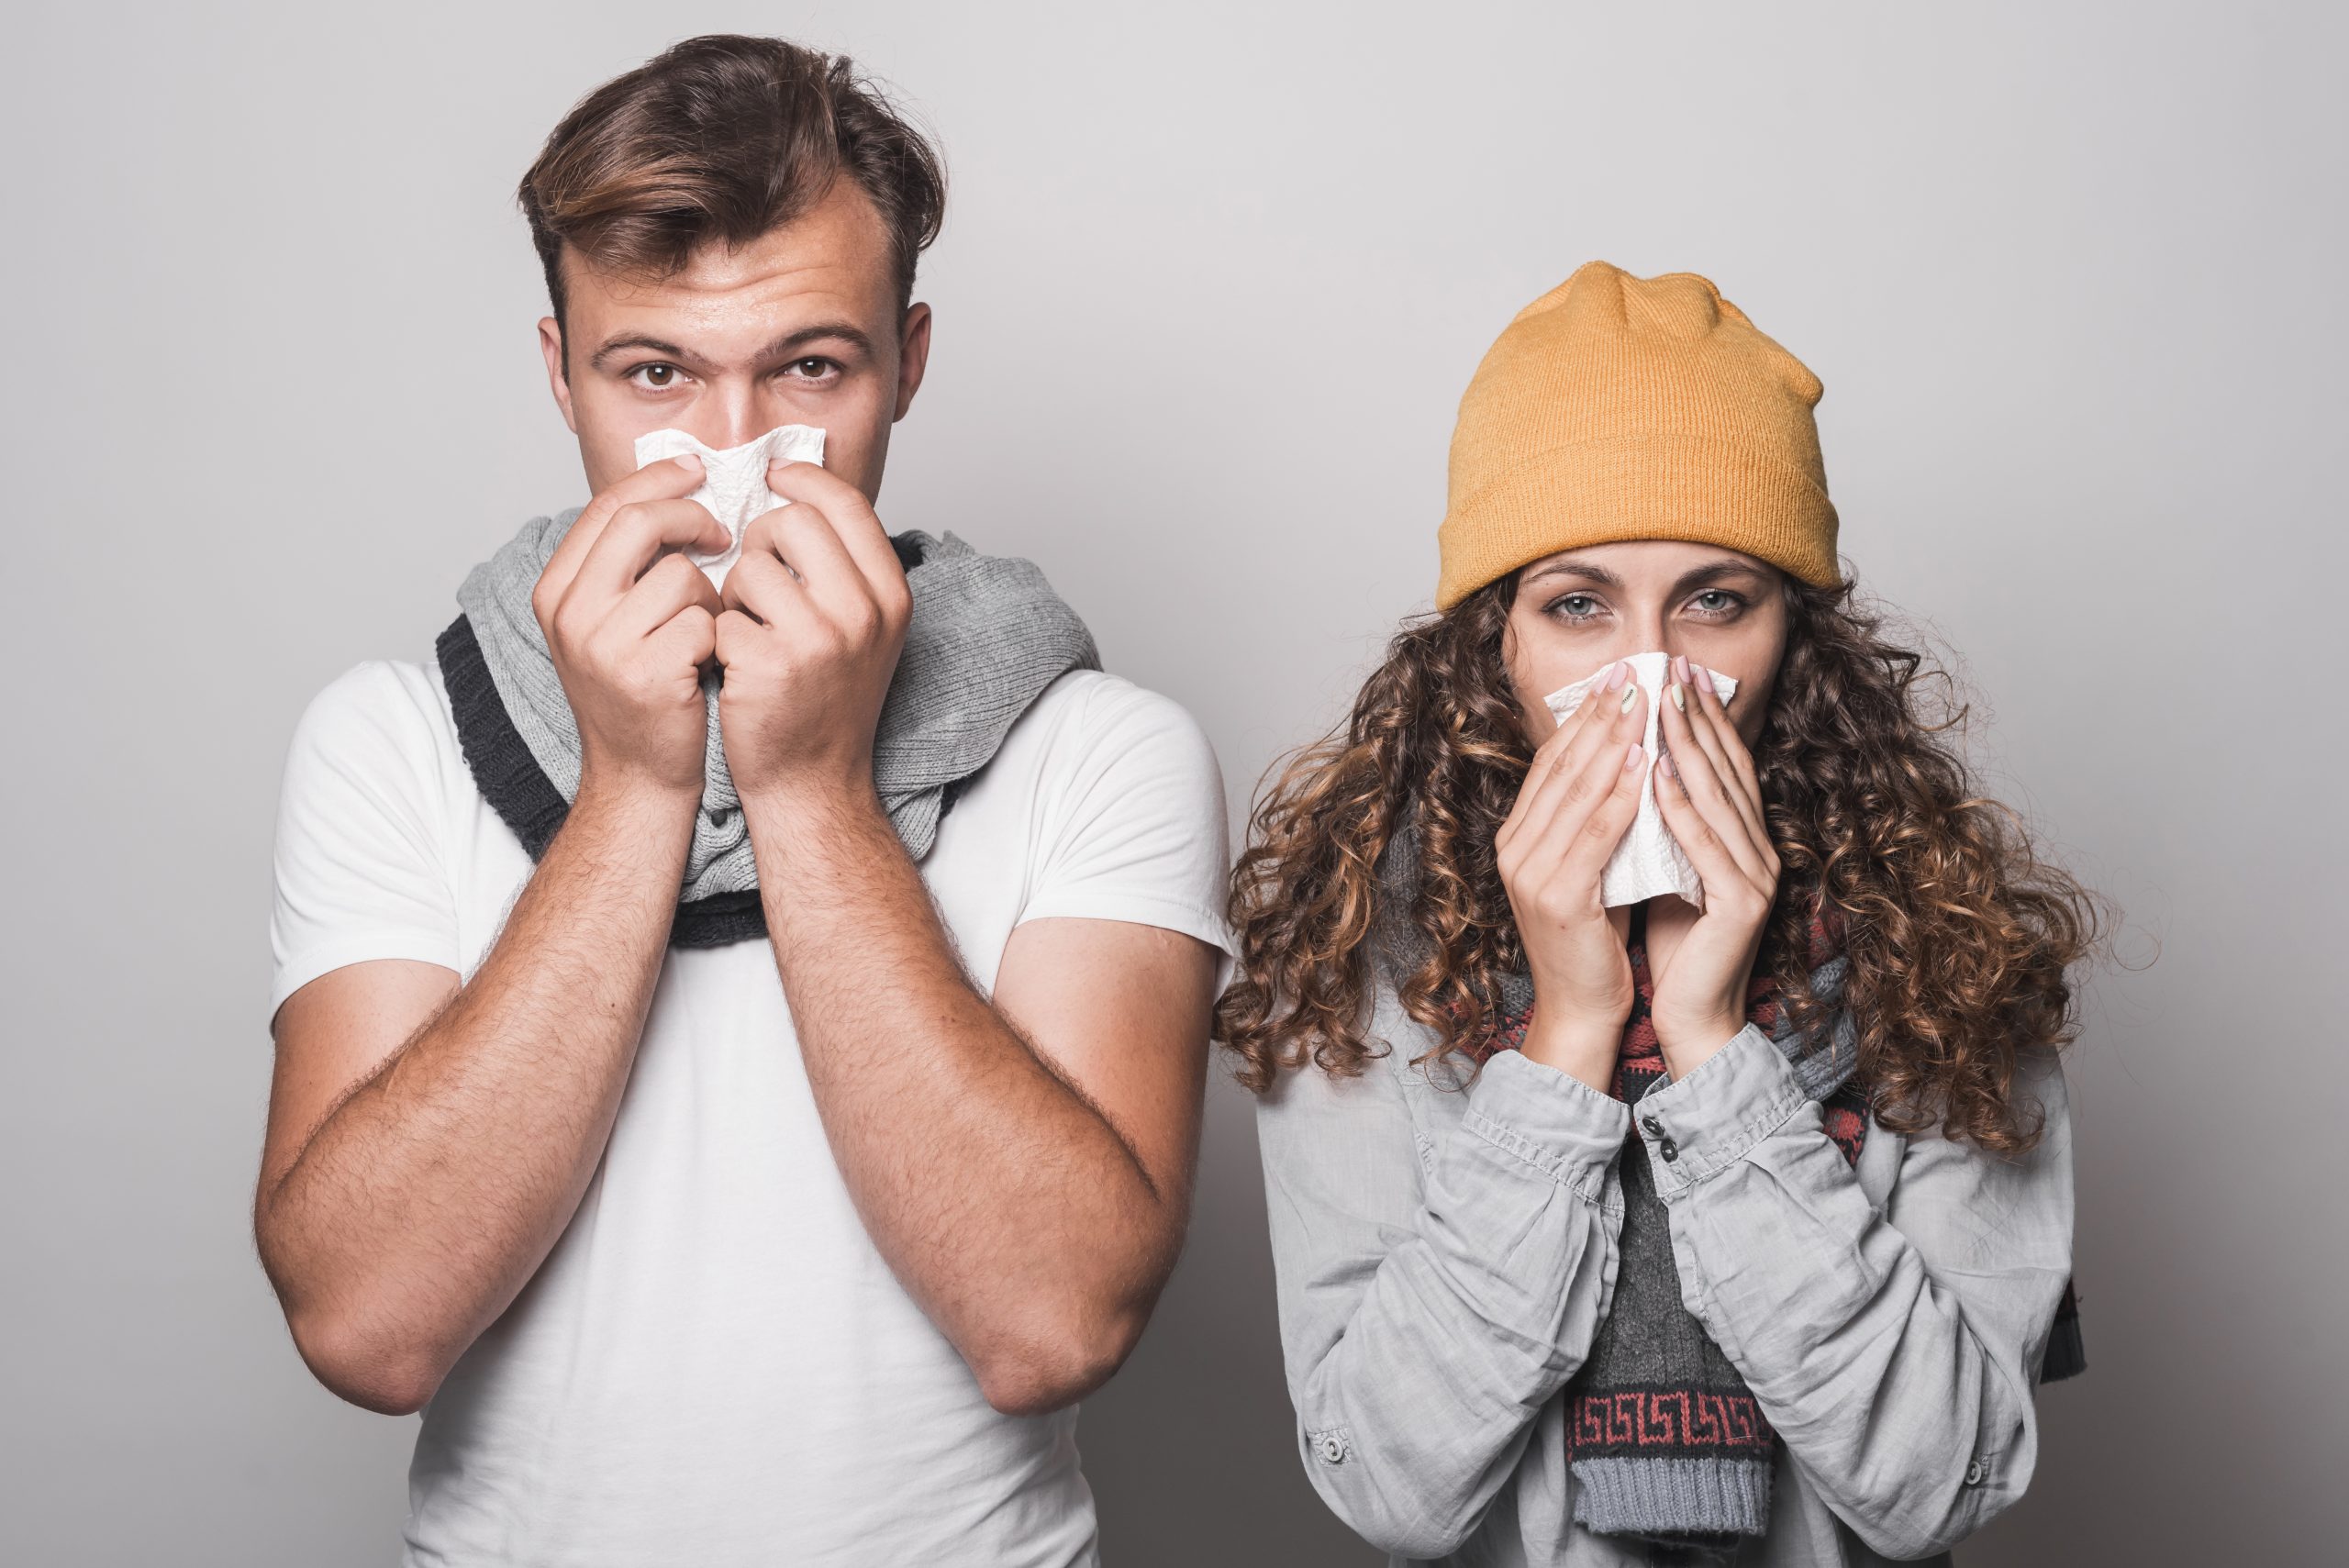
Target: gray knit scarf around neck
<point>987,635</point>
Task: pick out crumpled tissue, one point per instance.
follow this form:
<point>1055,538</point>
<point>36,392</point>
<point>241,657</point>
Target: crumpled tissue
<point>1649,861</point>
<point>734,482</point>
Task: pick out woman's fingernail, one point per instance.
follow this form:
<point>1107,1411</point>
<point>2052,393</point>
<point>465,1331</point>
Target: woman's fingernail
<point>1664,761</point>
<point>1630,695</point>
<point>689,462</point>
<point>1680,668</point>
<point>1631,757</point>
<point>1613,678</point>
<point>1679,701</point>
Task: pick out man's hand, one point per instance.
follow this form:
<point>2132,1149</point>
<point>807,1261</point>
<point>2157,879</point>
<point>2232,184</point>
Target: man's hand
<point>814,616</point>
<point>630,626</point>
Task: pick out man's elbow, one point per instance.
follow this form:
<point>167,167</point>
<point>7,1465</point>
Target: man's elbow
<point>1057,1360</point>
<point>369,1369</point>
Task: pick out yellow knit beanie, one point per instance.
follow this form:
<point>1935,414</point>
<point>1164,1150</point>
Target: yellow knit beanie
<point>1616,407</point>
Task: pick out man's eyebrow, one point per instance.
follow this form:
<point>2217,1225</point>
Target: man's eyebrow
<point>614,347</point>
<point>787,345</point>
<point>783,347</point>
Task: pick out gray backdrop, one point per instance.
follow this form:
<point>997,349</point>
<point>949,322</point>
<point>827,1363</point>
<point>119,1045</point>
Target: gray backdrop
<point>1211,284</point>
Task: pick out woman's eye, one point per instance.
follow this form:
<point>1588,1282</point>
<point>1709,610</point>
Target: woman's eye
<point>1575,607</point>
<point>1716,602</point>
<point>656,376</point>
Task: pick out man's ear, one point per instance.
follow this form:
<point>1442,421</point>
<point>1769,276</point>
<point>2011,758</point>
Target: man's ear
<point>550,345</point>
<point>913,356</point>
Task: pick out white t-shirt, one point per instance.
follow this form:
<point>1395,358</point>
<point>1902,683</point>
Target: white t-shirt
<point>715,1366</point>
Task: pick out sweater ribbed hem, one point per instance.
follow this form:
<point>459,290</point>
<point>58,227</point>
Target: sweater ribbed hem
<point>1672,1497</point>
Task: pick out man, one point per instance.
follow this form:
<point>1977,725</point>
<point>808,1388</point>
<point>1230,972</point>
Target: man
<point>781,1220</point>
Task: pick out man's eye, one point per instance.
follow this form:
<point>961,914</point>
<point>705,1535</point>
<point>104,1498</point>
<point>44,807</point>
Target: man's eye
<point>813,369</point>
<point>655,376</point>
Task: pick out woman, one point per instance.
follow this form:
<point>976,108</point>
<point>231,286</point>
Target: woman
<point>1728,1224</point>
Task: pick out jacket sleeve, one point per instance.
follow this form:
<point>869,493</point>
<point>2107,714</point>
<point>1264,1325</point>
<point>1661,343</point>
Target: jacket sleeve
<point>1895,1353</point>
<point>1434,1298</point>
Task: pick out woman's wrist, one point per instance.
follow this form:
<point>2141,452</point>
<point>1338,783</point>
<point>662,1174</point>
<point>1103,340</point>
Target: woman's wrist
<point>1688,1046</point>
<point>1580,1048</point>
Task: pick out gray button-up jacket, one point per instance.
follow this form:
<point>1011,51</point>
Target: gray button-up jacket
<point>1446,1249</point>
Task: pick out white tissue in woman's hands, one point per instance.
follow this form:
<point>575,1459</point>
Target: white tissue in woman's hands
<point>1649,861</point>
<point>734,482</point>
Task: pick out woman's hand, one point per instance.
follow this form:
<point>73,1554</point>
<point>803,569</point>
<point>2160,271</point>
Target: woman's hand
<point>1706,791</point>
<point>1578,798</point>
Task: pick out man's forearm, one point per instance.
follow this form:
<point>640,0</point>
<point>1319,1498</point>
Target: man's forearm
<point>1011,1208</point>
<point>426,1198</point>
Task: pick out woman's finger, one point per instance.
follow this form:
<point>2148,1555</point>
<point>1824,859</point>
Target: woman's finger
<point>1695,777</point>
<point>1697,723</point>
<point>1714,853</point>
<point>1715,712</point>
<point>1586,773</point>
<point>1587,840</point>
<point>1550,754</point>
<point>1574,844</point>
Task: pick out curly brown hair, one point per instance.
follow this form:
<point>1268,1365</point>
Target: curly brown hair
<point>1961,937</point>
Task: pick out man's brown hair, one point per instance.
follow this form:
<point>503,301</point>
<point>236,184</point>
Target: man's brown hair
<point>722,139</point>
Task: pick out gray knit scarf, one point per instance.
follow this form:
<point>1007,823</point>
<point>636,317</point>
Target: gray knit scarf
<point>987,635</point>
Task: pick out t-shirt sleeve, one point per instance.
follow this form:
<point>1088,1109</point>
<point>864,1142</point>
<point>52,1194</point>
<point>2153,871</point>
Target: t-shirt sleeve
<point>1137,828</point>
<point>358,868</point>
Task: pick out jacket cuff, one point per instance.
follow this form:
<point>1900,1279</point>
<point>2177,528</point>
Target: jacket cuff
<point>1551,1120</point>
<point>1701,1123</point>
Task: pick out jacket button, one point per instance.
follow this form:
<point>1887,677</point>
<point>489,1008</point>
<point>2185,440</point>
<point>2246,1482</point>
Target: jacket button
<point>1974,1472</point>
<point>1669,1150</point>
<point>1655,1127</point>
<point>1333,1449</point>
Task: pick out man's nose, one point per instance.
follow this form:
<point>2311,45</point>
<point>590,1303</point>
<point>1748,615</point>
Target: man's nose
<point>730,419</point>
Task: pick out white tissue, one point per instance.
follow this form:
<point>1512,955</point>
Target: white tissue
<point>734,482</point>
<point>1649,861</point>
